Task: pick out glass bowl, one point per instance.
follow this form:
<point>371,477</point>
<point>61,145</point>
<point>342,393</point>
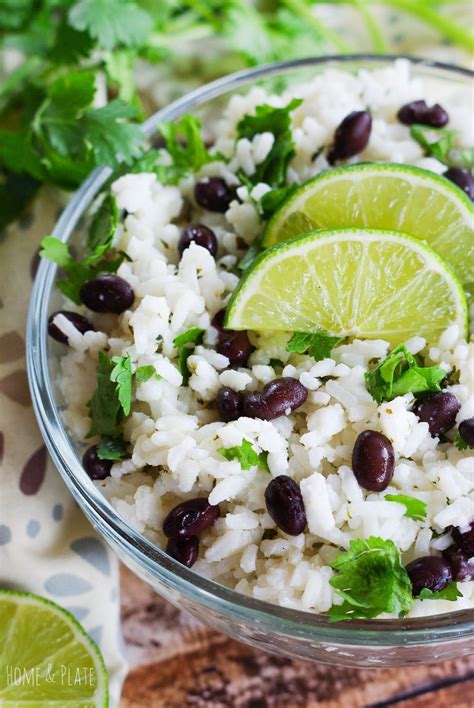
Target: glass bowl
<point>269,627</point>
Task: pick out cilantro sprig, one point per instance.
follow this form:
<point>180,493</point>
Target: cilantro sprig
<point>273,169</point>
<point>450,592</point>
<point>246,455</point>
<point>185,344</point>
<point>399,373</point>
<point>319,345</point>
<point>371,579</point>
<point>414,508</point>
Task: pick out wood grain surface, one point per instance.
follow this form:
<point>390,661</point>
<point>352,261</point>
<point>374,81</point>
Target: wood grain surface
<point>178,663</point>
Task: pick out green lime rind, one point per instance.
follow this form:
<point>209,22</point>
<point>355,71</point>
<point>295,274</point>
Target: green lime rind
<point>36,634</point>
<point>385,196</point>
<point>364,283</point>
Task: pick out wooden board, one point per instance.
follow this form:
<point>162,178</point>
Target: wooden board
<point>178,663</point>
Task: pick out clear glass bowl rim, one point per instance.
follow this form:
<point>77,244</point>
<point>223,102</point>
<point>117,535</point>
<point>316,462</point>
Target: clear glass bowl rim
<point>265,616</point>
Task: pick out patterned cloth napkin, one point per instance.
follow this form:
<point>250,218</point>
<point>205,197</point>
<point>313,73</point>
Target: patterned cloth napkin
<point>46,545</point>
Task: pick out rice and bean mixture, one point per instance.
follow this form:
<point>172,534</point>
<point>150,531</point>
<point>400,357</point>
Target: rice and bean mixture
<point>284,461</point>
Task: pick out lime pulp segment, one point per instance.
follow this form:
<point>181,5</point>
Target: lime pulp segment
<point>352,283</point>
<point>47,658</point>
<point>384,196</point>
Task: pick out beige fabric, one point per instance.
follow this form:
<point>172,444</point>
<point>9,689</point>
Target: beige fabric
<point>46,544</point>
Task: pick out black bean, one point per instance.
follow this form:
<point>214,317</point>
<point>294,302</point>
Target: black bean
<point>229,404</point>
<point>107,293</point>
<point>464,539</point>
<point>184,550</point>
<point>236,346</point>
<point>213,194</point>
<point>276,398</point>
<point>431,572</point>
<point>439,410</point>
<point>466,431</point>
<point>285,505</point>
<point>81,323</point>
<point>420,112</point>
<point>462,178</point>
<point>462,566</point>
<point>218,322</point>
<point>95,468</point>
<point>190,518</point>
<point>373,460</point>
<point>351,136</point>
<point>200,235</point>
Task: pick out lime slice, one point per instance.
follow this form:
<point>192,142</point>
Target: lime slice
<point>384,196</point>
<point>47,659</point>
<point>350,282</point>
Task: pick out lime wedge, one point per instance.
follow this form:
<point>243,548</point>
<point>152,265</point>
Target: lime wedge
<point>352,283</point>
<point>47,659</point>
<point>384,196</point>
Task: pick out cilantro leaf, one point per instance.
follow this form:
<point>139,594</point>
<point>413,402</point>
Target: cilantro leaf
<point>111,448</point>
<point>277,121</point>
<point>399,373</point>
<point>437,142</point>
<point>110,136</point>
<point>414,508</point>
<point>143,373</point>
<point>121,374</point>
<point>185,344</point>
<point>460,443</point>
<point>246,455</point>
<point>105,409</point>
<point>77,273</point>
<point>450,592</point>
<point>271,201</point>
<point>318,344</point>
<point>371,579</point>
<point>186,148</point>
<point>102,229</point>
<point>111,22</point>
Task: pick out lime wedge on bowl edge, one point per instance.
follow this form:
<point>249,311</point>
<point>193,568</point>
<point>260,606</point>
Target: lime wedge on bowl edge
<point>350,282</point>
<point>384,196</point>
<point>47,658</point>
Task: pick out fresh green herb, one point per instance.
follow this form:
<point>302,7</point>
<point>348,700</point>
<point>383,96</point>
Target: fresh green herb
<point>246,455</point>
<point>437,142</point>
<point>143,373</point>
<point>185,344</point>
<point>450,592</point>
<point>111,448</point>
<point>272,170</point>
<point>460,443</point>
<point>111,22</point>
<point>76,272</point>
<point>414,508</point>
<point>371,579</point>
<point>399,374</point>
<point>102,229</point>
<point>271,201</point>
<point>105,408</point>
<point>250,255</point>
<point>121,374</point>
<point>318,344</point>
<point>186,147</point>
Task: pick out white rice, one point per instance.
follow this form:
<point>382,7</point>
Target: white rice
<point>174,431</point>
